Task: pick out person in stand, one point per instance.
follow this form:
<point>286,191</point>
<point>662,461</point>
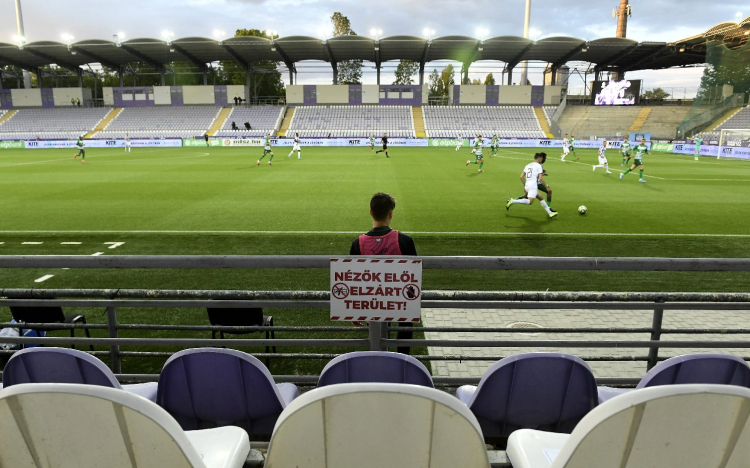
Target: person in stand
<point>78,102</point>
<point>72,102</point>
<point>382,240</point>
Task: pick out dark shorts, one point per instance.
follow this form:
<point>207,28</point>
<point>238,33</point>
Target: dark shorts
<point>385,147</point>
<point>638,162</point>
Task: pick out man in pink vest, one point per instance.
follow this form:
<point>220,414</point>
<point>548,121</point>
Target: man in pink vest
<point>382,240</point>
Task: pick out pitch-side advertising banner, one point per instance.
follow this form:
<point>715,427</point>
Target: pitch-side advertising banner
<point>711,150</point>
<point>49,144</point>
<point>523,143</point>
<point>376,289</point>
<point>324,142</point>
<point>11,145</point>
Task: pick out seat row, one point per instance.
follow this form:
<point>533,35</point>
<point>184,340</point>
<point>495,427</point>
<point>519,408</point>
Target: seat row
<point>369,424</point>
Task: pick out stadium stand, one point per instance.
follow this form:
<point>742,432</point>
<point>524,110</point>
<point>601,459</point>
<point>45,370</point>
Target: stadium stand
<point>545,391</point>
<point>668,427</point>
<point>69,366</point>
<point>663,121</point>
<point>599,121</point>
<point>549,111</point>
<point>89,425</point>
<point>262,120</point>
<point>377,425</point>
<point>505,121</point>
<point>65,123</point>
<point>375,366</point>
<point>717,369</point>
<point>161,122</point>
<point>738,121</point>
<point>352,121</point>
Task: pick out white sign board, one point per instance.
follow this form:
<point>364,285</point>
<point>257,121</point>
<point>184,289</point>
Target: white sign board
<point>376,289</point>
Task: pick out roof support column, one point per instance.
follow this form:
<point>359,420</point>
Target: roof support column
<point>80,78</point>
<point>291,76</point>
<point>163,76</point>
<point>205,75</point>
<point>247,82</point>
<point>336,73</point>
<point>510,76</point>
<point>121,75</point>
<point>421,73</point>
<point>39,78</point>
<point>553,77</point>
<point>377,69</point>
<point>465,79</point>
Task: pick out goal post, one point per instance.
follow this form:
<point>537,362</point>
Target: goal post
<point>732,138</point>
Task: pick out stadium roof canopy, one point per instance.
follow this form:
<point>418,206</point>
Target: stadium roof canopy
<point>605,54</point>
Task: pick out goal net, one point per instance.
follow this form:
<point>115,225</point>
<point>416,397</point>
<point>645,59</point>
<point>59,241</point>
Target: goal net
<point>734,143</point>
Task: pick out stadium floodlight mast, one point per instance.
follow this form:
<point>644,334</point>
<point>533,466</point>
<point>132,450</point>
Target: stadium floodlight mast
<point>219,34</point>
<point>526,23</point>
<point>271,33</point>
<point>21,38</point>
<point>118,38</point>
<point>167,35</point>
<point>482,33</point>
<point>428,33</point>
<point>376,33</point>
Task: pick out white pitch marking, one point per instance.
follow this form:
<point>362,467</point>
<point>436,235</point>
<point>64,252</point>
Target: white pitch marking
<point>71,243</point>
<point>423,233</point>
<point>32,243</point>
<point>114,245</point>
<point>43,278</point>
<point>97,254</point>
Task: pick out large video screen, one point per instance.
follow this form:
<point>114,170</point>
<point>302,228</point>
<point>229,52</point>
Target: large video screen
<point>616,93</point>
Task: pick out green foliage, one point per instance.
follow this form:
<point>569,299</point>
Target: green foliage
<point>405,72</point>
<point>349,71</point>
<point>448,77</point>
<point>490,80</point>
<point>656,94</point>
<point>726,67</point>
<point>476,81</point>
<point>265,79</point>
<point>435,84</point>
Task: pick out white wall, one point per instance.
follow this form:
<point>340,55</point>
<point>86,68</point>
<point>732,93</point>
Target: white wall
<point>333,94</point>
<point>108,96</point>
<point>295,94</point>
<point>198,95</point>
<point>518,95</point>
<point>425,95</point>
<point>370,94</point>
<point>473,94</point>
<point>62,96</point>
<point>552,95</point>
<point>26,97</point>
<point>162,95</point>
<point>234,91</point>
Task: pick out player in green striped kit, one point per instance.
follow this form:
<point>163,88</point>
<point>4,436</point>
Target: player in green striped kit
<point>477,150</point>
<point>267,150</point>
<point>573,145</point>
<point>494,144</point>
<point>698,142</point>
<point>81,150</point>
<point>372,143</point>
<point>640,150</point>
<point>625,150</point>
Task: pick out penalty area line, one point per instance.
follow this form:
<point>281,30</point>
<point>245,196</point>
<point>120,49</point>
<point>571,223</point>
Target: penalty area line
<point>421,233</point>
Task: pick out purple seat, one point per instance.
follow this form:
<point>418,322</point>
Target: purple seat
<point>699,368</point>
<point>211,387</point>
<point>70,366</point>
<point>543,391</point>
<point>375,367</point>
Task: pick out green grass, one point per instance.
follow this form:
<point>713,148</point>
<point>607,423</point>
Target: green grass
<point>217,201</point>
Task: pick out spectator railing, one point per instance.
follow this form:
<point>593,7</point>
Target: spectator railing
<point>377,337</point>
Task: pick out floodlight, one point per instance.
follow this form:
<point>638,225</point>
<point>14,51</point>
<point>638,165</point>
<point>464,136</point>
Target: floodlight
<point>67,38</point>
<point>21,41</point>
<point>219,34</point>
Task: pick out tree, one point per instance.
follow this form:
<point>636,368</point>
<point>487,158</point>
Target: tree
<point>436,86</point>
<point>405,70</point>
<point>656,94</point>
<point>476,81</point>
<point>490,80</point>
<point>448,77</point>
<point>726,71</point>
<point>265,79</point>
<point>349,71</point>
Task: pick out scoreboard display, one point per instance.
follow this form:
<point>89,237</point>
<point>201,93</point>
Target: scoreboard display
<point>616,93</point>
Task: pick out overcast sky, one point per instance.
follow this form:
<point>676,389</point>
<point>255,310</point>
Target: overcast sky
<point>652,20</point>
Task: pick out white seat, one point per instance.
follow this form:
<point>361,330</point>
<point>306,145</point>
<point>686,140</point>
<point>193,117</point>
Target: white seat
<point>659,427</point>
<point>376,425</point>
<point>88,426</point>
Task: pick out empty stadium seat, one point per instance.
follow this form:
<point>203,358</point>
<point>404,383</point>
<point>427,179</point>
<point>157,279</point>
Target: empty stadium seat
<point>161,122</point>
<point>720,369</point>
<point>376,425</point>
<point>88,426</point>
<point>62,365</point>
<point>262,119</point>
<point>352,121</point>
<point>665,427</point>
<point>545,391</point>
<point>210,387</point>
<point>77,121</point>
<point>375,366</point>
<point>504,121</point>
<point>739,121</point>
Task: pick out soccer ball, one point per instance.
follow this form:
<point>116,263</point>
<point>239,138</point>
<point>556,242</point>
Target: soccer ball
<point>582,210</point>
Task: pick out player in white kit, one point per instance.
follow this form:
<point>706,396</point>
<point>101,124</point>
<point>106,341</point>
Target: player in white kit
<point>127,143</point>
<point>566,147</point>
<point>603,158</point>
<point>531,177</point>
<point>460,142</point>
<point>296,147</point>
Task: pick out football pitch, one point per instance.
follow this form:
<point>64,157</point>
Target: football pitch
<point>217,201</point>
